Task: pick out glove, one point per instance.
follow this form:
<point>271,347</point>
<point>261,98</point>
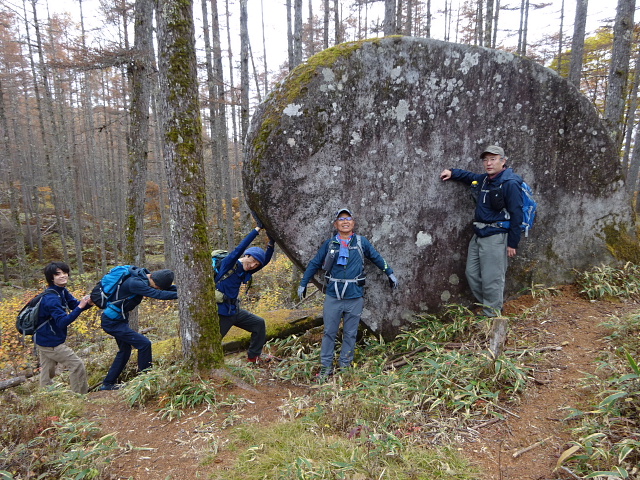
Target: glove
<point>393,281</point>
<point>302,292</point>
<point>259,223</point>
<point>271,242</point>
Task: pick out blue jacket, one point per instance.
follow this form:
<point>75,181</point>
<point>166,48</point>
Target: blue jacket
<point>137,287</point>
<point>352,270</point>
<point>54,308</point>
<point>230,286</point>
<point>504,187</point>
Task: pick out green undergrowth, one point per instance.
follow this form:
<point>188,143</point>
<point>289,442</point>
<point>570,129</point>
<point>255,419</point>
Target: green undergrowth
<point>301,450</point>
<point>44,434</point>
<point>398,413</point>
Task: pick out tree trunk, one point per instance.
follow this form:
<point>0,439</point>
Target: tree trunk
<point>577,44</point>
<point>290,37</point>
<point>182,146</point>
<point>408,25</point>
<point>221,136</point>
<point>479,36</point>
<point>325,33</point>
<point>244,70</point>
<point>488,24</point>
<point>311,40</point>
<point>336,21</point>
<point>12,187</point>
<point>297,33</point>
<point>389,25</point>
<point>619,69</point>
<point>632,168</point>
<point>141,74</point>
<point>214,180</point>
<point>44,103</point>
<point>264,52</point>
<point>427,31</point>
<point>495,25</point>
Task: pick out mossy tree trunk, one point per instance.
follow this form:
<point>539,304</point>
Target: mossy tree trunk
<point>183,155</point>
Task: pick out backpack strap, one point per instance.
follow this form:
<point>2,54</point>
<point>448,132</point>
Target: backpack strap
<point>46,292</point>
<point>346,281</point>
<point>227,274</point>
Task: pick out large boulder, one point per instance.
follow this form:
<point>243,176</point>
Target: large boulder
<point>370,125</point>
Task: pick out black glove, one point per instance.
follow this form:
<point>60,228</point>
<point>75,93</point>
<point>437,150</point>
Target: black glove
<point>393,281</point>
<point>302,292</point>
<point>271,242</point>
<point>259,223</point>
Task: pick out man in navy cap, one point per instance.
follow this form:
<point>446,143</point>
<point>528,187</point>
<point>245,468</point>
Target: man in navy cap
<point>138,285</point>
<point>235,269</point>
<point>496,226</point>
<point>342,258</point>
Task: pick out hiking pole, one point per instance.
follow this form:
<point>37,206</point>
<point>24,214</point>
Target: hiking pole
<point>305,298</point>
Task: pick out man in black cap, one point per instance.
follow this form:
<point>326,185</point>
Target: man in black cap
<point>497,226</point>
<point>138,285</point>
<point>342,258</point>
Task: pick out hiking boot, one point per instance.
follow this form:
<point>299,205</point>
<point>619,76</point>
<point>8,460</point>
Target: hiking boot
<point>324,374</point>
<point>262,359</point>
<point>108,386</point>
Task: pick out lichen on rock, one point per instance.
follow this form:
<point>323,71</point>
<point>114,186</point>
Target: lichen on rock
<point>372,124</point>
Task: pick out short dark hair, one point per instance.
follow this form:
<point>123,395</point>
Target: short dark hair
<point>51,269</point>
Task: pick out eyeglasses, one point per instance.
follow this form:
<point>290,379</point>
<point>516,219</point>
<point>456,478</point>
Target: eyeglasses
<point>344,219</point>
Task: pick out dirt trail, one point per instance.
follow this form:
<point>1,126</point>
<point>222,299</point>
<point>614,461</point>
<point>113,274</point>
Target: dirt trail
<point>173,450</point>
<point>574,324</point>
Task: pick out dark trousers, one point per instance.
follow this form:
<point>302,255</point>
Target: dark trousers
<point>249,322</point>
<point>126,338</point>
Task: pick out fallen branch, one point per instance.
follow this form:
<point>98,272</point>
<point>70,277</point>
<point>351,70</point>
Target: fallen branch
<point>530,447</point>
<point>486,424</point>
<point>12,382</point>
<point>505,410</point>
<point>573,475</point>
<point>536,350</point>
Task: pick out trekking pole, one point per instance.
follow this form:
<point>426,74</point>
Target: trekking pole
<point>305,298</point>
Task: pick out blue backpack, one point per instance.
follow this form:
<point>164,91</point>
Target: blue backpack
<point>106,291</point>
<point>529,206</point>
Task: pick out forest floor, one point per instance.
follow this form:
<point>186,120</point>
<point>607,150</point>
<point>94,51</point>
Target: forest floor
<point>162,449</point>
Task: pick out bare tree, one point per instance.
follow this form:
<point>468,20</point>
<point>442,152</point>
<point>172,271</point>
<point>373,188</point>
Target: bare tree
<point>9,175</point>
<point>221,139</point>
<point>632,168</point>
<point>577,44</point>
<point>140,71</point>
<point>244,70</point>
<point>290,36</point>
<point>297,33</point>
<point>325,33</point>
<point>389,25</point>
<point>182,139</point>
<point>619,69</point>
<point>264,52</point>
<point>336,21</point>
<point>488,24</point>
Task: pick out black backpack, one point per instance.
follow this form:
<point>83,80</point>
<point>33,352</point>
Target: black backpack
<point>28,321</point>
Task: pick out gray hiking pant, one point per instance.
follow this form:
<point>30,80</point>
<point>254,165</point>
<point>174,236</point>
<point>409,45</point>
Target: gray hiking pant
<point>50,357</point>
<point>349,311</point>
<point>486,269</point>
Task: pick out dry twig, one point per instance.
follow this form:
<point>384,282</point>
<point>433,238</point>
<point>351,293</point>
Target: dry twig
<point>530,447</point>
